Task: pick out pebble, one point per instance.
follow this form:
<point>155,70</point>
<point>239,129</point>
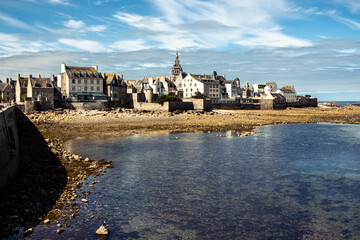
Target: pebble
<point>60,231</point>
<point>28,232</point>
<point>46,221</point>
<point>84,200</point>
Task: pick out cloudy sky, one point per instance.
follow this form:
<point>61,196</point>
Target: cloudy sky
<point>311,44</point>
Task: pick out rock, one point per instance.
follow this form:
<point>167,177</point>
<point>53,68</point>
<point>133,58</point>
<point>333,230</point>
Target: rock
<point>60,231</point>
<point>84,200</point>
<point>46,221</point>
<point>59,225</point>
<point>28,232</point>
<point>102,230</point>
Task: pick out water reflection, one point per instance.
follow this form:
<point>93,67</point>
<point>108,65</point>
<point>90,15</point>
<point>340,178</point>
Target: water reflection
<point>289,182</point>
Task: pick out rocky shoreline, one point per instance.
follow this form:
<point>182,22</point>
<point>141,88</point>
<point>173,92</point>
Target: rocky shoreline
<point>56,127</point>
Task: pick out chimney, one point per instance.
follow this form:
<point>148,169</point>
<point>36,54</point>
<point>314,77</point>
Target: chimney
<point>39,76</point>
<point>30,76</point>
<point>7,81</point>
<point>95,67</point>
<point>63,67</point>
<point>18,77</point>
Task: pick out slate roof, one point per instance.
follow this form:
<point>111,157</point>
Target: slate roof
<point>41,83</point>
<point>82,72</point>
<point>2,86</point>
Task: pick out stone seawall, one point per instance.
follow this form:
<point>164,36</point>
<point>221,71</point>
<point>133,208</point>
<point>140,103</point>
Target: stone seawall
<point>9,145</point>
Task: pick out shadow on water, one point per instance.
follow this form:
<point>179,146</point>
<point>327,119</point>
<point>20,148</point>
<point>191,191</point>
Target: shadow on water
<point>40,181</point>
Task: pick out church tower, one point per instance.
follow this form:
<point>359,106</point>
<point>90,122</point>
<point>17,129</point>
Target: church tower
<point>176,69</point>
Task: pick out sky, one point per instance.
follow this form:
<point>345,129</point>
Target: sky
<point>311,44</point>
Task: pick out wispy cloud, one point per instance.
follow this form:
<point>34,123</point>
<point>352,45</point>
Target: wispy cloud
<point>80,26</point>
<point>130,45</point>
<point>61,2</point>
<point>85,45</point>
<point>213,24</point>
<point>12,44</point>
<point>15,22</point>
<point>353,5</point>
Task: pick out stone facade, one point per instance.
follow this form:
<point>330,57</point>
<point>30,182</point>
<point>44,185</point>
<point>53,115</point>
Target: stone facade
<point>81,83</point>
<point>7,92</point>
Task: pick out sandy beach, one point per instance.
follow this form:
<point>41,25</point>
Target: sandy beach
<point>70,124</point>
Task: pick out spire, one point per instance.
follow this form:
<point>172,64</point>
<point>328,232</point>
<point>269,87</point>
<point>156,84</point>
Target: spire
<point>177,57</point>
<point>176,70</point>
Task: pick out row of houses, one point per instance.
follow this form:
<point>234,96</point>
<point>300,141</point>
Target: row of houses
<point>87,84</point>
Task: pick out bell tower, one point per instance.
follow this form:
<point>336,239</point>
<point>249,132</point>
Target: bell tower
<point>176,69</point>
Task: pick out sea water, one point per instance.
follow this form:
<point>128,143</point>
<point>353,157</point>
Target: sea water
<point>288,182</point>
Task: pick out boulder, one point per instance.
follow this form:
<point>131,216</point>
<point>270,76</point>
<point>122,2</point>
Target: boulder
<point>102,230</point>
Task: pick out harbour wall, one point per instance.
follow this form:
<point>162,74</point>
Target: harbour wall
<point>9,145</point>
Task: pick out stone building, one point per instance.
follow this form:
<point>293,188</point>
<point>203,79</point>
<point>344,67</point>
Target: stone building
<point>81,84</point>
<point>115,88</point>
<point>21,88</point>
<point>41,90</point>
<point>7,91</point>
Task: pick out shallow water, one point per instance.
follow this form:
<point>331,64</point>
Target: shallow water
<point>288,182</point>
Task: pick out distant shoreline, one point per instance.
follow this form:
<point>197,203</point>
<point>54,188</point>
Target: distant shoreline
<point>69,124</point>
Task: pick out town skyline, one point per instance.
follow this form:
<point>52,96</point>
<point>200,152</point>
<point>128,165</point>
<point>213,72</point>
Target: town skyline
<point>312,46</point>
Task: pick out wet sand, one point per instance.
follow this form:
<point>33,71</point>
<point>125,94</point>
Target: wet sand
<point>66,125</point>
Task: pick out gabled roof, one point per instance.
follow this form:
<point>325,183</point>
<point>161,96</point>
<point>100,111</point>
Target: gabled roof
<point>3,86</point>
<point>109,77</point>
<point>41,83</point>
<point>23,82</point>
<point>82,71</point>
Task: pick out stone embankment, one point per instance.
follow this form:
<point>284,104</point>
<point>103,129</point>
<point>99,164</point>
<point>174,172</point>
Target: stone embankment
<point>48,186</point>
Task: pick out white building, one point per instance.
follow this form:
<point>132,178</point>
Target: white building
<point>289,93</point>
<point>233,89</point>
<point>204,84</point>
<point>81,83</point>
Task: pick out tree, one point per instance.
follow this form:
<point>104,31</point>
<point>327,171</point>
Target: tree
<point>171,97</point>
<point>198,95</point>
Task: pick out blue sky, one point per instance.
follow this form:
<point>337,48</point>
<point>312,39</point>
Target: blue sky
<point>311,44</point>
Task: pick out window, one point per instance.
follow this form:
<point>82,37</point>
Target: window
<point>85,81</point>
<point>79,81</point>
<point>98,88</point>
<point>79,88</point>
<point>85,88</point>
<point>97,81</point>
<point>92,88</point>
<point>91,81</point>
<point>194,84</point>
<point>73,88</point>
<point>73,81</point>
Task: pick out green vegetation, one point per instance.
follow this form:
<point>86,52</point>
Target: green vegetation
<point>171,97</point>
<point>198,95</point>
